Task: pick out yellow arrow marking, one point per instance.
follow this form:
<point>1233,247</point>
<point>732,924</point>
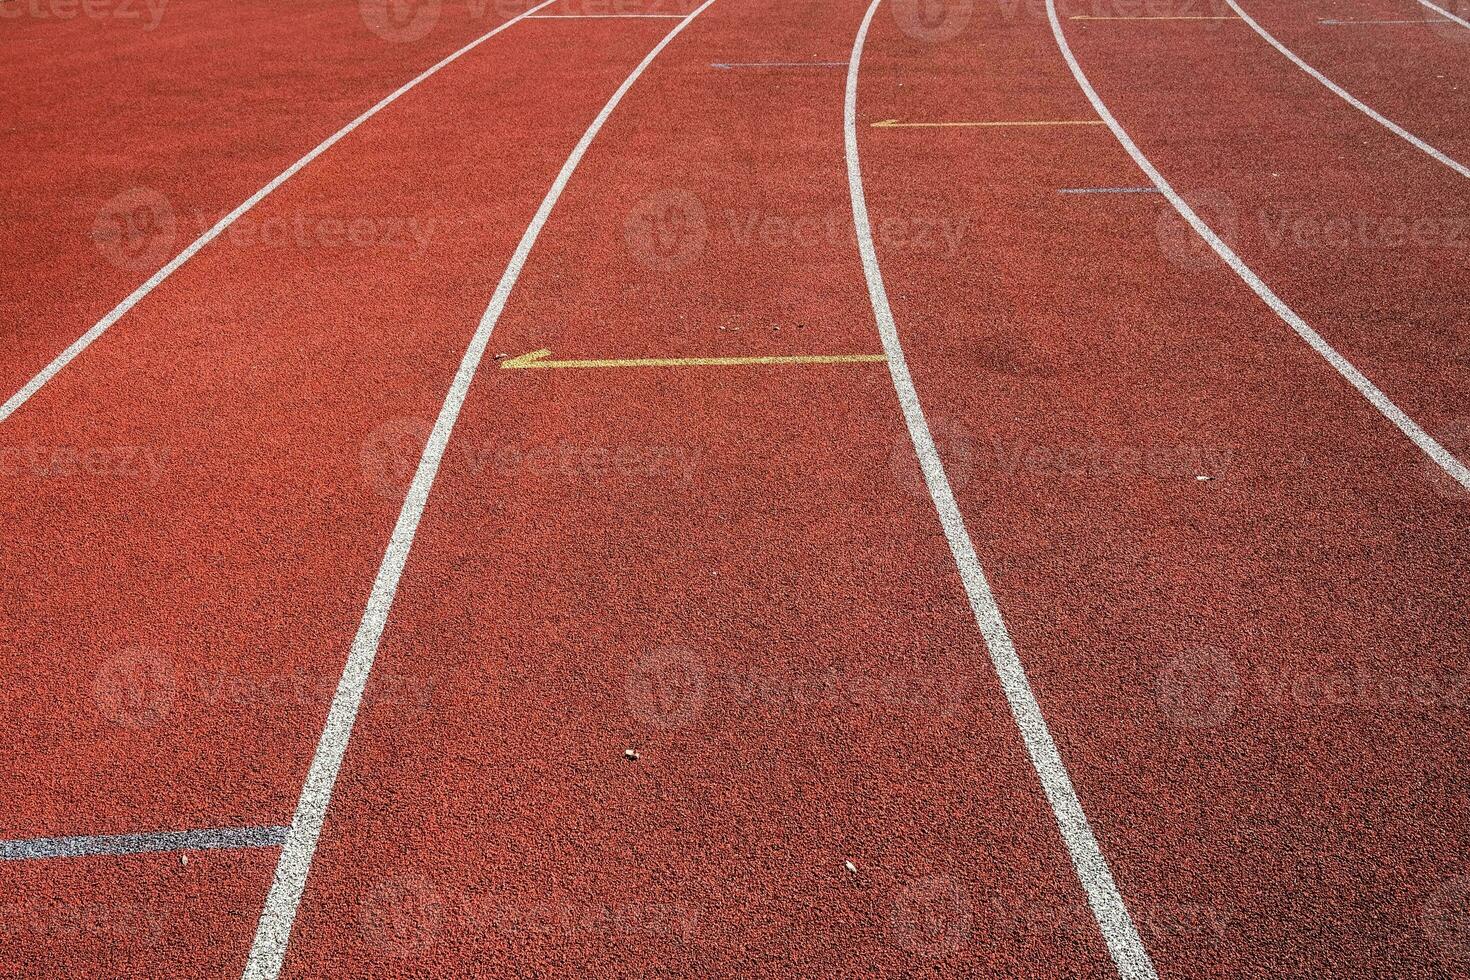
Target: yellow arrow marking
<point>894,123</point>
<point>541,359</point>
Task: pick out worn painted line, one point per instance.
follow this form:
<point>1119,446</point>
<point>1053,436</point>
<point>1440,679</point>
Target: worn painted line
<point>541,359</point>
<point>778,64</point>
<point>214,838</point>
<point>895,124</point>
<point>1099,17</point>
<point>1108,190</point>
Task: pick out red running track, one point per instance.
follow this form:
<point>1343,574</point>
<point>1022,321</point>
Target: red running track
<point>1256,679</point>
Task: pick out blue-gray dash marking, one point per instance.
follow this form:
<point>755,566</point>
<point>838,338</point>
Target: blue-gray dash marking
<point>1108,190</point>
<point>164,840</point>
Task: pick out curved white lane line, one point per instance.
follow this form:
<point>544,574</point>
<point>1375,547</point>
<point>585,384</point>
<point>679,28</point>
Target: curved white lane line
<point>86,340</point>
<point>1118,931</point>
<point>1347,96</point>
<point>1446,14</point>
<point>1441,456</point>
<point>273,933</point>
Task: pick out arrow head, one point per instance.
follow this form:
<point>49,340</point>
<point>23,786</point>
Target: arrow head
<point>526,360</point>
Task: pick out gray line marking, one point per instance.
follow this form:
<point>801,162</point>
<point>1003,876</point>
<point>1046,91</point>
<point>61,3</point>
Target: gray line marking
<point>778,64</point>
<point>273,933</point>
<point>1347,97</point>
<point>599,16</point>
<point>1445,13</point>
<point>1347,23</point>
<point>101,326</point>
<point>1441,456</point>
<point>39,848</point>
<point>1108,190</point>
<point>1123,942</point>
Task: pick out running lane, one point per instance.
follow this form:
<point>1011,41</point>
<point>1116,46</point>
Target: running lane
<point>131,131</point>
<point>1397,56</point>
<point>1240,592</point>
<point>733,572</point>
<point>1366,237</point>
<point>130,918</point>
<point>196,508</point>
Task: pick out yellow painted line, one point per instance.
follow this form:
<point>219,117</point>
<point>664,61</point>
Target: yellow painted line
<point>894,123</point>
<point>541,359</point>
<point>1091,17</point>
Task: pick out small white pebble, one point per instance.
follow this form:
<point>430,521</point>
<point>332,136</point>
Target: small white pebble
<point>851,868</point>
<point>1204,477</point>
<point>631,755</point>
<point>184,860</point>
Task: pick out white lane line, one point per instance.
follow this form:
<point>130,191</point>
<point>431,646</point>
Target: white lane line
<point>1446,14</point>
<point>268,951</point>
<point>91,845</point>
<point>1357,23</point>
<point>1347,97</point>
<point>86,340</point>
<point>1123,942</point>
<point>1441,456</point>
